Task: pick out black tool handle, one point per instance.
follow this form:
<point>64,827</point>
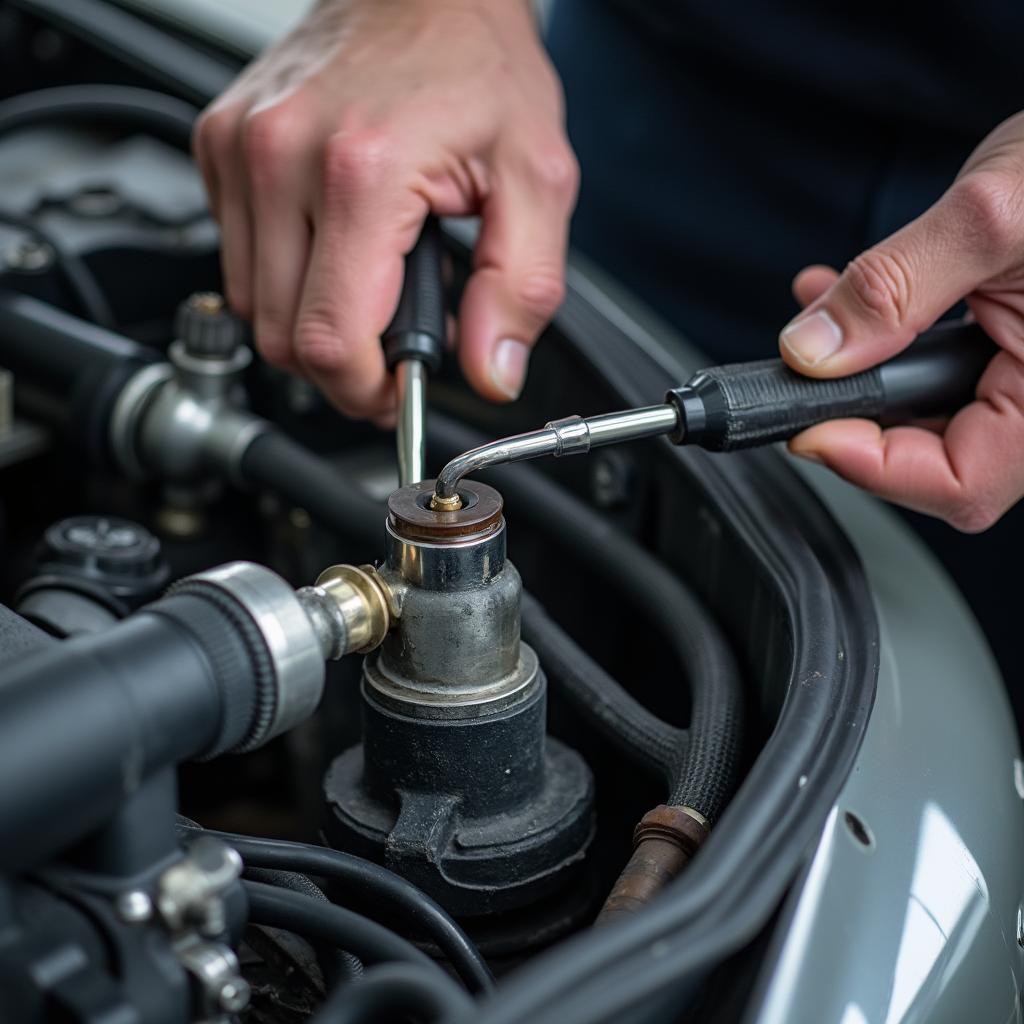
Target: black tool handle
<point>418,329</point>
<point>749,404</point>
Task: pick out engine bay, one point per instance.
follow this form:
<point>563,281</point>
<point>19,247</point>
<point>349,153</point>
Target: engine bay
<point>284,742</point>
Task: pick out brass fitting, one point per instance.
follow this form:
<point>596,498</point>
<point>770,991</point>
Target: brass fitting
<point>351,608</point>
<point>451,504</point>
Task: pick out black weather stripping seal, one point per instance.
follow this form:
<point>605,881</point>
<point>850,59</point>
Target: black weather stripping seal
<point>175,64</point>
<point>826,633</point>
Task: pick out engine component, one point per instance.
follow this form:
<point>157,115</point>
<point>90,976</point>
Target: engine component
<point>91,571</point>
<point>226,661</point>
<point>456,786</point>
<point>183,420</point>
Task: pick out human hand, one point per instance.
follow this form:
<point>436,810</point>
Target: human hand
<point>322,160</point>
<point>969,245</point>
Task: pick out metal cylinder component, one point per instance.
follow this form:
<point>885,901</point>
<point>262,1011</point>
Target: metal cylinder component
<point>456,786</point>
<point>664,842</point>
<point>456,653</point>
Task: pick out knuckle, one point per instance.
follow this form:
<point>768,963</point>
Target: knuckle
<point>989,207</point>
<point>880,281</point>
<point>973,515</point>
<point>214,133</point>
<point>556,169</point>
<point>268,137</point>
<point>354,161</point>
<point>541,292</point>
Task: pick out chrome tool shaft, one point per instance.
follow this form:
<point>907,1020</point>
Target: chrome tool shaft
<point>411,384</point>
<point>573,435</point>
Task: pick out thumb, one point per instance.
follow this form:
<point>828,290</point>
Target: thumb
<point>895,290</point>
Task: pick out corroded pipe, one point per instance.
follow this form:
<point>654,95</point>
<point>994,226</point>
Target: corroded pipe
<point>663,844</point>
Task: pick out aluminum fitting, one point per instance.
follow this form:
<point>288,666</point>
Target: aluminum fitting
<point>182,421</point>
<point>290,637</point>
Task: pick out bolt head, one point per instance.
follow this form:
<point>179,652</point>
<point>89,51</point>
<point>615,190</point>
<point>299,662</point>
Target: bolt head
<point>134,906</point>
<point>29,255</point>
<point>234,995</point>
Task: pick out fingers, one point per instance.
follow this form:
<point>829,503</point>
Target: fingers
<point>969,476</point>
<point>812,282</point>
<point>365,222</point>
<point>518,280</point>
<point>218,144</point>
<point>274,141</point>
<point>893,291</point>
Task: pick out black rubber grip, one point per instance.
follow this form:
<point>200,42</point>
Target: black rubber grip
<point>418,328</point>
<point>747,404</point>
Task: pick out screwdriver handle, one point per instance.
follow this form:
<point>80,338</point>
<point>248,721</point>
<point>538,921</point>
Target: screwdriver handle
<point>418,330</point>
<point>748,404</point>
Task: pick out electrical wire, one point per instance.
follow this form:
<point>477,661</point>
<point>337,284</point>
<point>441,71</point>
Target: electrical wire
<point>389,893</point>
<point>299,913</point>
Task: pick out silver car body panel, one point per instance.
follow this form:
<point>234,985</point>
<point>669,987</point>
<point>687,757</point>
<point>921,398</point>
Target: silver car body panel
<point>922,922</point>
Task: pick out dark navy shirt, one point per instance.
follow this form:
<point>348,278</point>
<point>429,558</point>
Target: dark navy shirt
<point>726,145</point>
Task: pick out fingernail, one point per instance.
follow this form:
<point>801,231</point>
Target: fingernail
<point>508,366</point>
<point>812,339</point>
<point>810,457</point>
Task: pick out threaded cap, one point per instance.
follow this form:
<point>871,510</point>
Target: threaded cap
<point>207,328</point>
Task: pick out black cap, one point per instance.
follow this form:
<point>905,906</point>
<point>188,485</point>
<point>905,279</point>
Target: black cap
<point>207,328</point>
<point>121,557</point>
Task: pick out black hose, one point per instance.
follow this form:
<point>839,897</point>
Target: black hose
<point>296,912</point>
<point>612,711</point>
<point>707,767</point>
<point>53,350</point>
<point>338,965</point>
<point>390,992</point>
<point>388,892</point>
<point>172,119</point>
<point>285,467</point>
